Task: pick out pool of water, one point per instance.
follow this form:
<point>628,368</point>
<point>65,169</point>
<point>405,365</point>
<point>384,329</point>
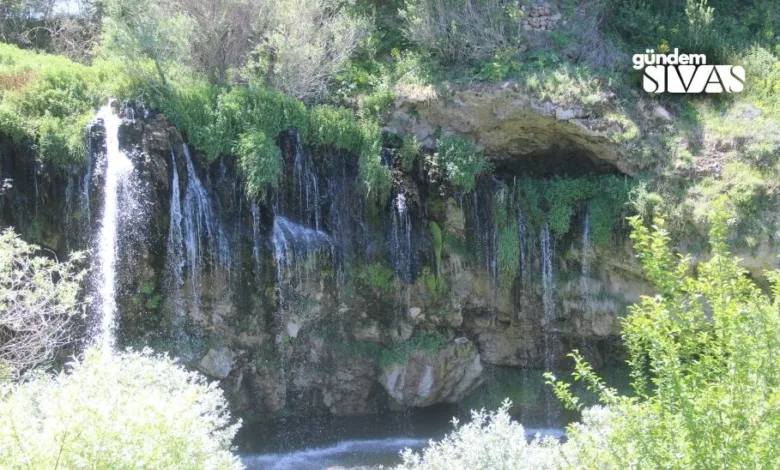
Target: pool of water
<point>368,442</point>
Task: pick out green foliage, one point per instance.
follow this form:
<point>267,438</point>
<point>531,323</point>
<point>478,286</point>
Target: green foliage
<point>436,285</point>
<point>488,441</point>
<point>41,300</point>
<point>461,160</point>
<point>554,201</point>
<point>409,152</point>
<point>247,120</point>
<point>47,100</point>
<point>701,356</point>
<point>145,30</point>
<point>399,353</point>
<point>126,411</point>
<point>459,30</point>
<point>260,161</point>
<point>377,276</point>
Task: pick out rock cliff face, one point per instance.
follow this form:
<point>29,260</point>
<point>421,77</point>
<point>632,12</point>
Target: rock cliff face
<point>300,302</point>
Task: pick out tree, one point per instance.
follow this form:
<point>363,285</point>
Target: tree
<point>222,33</point>
<point>305,43</point>
<point>131,410</point>
<point>703,356</point>
<point>40,299</point>
<point>461,30</point>
<point>142,30</point>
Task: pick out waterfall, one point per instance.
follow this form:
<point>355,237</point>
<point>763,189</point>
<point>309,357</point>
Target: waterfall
<point>306,192</point>
<point>551,404</point>
<point>118,170</point>
<point>195,232</point>
<point>401,252</point>
<point>522,229</point>
<point>257,241</point>
<point>292,243</point>
<point>586,243</point>
<point>200,220</point>
<point>175,256</point>
<point>548,280</point>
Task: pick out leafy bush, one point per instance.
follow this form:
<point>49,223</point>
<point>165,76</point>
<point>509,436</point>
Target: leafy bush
<point>701,356</point>
<point>554,201</point>
<point>260,161</point>
<point>409,152</point>
<point>461,30</point>
<point>489,441</point>
<point>48,100</point>
<point>306,43</point>
<point>41,301</point>
<point>109,411</point>
<point>461,160</point>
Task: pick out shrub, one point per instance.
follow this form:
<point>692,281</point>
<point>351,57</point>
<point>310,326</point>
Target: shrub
<point>461,160</point>
<point>701,356</point>
<point>130,410</point>
<point>48,100</point>
<point>306,43</point>
<point>260,161</point>
<point>461,30</point>
<point>489,441</point>
<point>40,304</point>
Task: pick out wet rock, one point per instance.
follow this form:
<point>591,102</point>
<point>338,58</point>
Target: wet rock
<point>445,376</point>
<point>217,363</point>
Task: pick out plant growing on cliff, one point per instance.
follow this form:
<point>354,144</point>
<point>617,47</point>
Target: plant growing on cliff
<point>461,161</point>
<point>40,300</point>
<point>108,411</point>
<point>702,356</point>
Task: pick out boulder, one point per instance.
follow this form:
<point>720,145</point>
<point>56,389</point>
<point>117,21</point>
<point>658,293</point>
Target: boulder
<point>426,379</point>
<point>217,363</point>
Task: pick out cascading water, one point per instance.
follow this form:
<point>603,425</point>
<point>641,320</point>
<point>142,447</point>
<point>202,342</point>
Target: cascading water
<point>293,243</point>
<point>306,190</point>
<point>586,243</point>
<point>522,229</point>
<point>116,191</point>
<point>200,220</point>
<point>175,260</point>
<point>195,230</point>
<point>257,241</point>
<point>551,405</point>
<point>401,251</point>
<point>548,280</point>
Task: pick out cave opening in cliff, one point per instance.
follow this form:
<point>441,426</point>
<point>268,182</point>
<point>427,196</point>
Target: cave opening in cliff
<point>562,159</point>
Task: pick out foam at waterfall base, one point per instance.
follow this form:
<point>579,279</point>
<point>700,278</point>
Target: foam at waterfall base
<point>356,453</point>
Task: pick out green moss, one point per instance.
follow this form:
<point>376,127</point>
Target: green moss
<point>436,285</point>
<point>399,353</point>
<point>377,276</point>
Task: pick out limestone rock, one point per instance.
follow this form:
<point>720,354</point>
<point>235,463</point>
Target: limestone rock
<point>446,376</point>
<point>217,362</point>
